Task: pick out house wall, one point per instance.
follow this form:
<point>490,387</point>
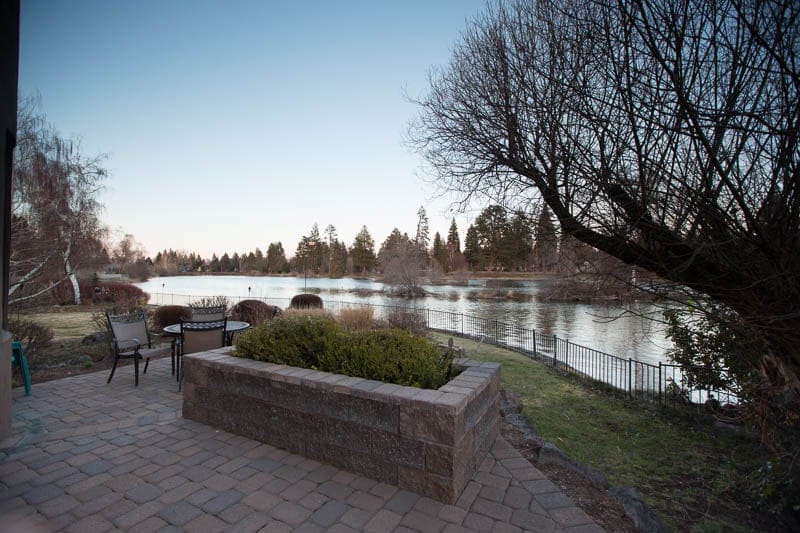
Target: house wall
<point>9,66</point>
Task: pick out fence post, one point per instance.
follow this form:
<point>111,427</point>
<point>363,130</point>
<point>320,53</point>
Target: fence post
<point>555,351</point>
<point>630,377</point>
<point>497,332</point>
<point>659,384</point>
<point>534,343</point>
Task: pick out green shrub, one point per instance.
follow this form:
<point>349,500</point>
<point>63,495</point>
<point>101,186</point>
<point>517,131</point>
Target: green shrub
<point>291,340</point>
<point>391,356</point>
<point>388,355</point>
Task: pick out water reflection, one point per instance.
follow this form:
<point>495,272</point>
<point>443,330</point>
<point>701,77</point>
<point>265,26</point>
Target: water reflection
<point>588,324</point>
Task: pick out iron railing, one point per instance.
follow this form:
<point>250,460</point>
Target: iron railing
<point>663,383</point>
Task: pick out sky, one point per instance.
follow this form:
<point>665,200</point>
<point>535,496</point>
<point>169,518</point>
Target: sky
<point>230,125</point>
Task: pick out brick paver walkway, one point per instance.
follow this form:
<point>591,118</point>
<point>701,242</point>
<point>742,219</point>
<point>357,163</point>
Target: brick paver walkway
<point>86,456</point>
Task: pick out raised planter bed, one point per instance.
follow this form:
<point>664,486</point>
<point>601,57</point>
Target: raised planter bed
<point>427,441</point>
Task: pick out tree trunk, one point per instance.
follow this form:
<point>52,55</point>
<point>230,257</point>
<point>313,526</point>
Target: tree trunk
<point>70,273</point>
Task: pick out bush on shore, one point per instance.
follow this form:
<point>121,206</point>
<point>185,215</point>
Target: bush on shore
<point>254,311</point>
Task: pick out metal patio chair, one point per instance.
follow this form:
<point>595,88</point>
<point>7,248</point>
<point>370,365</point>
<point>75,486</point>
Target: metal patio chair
<point>199,337</point>
<point>206,314</point>
<point>132,341</point>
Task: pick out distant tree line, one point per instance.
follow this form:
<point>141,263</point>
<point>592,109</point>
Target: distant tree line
<point>498,240</point>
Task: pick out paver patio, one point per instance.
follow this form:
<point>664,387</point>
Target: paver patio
<point>86,456</point>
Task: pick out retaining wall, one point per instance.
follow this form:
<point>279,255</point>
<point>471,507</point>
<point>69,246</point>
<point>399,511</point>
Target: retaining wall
<point>427,441</point>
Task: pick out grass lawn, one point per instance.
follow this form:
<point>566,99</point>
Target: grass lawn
<point>692,474</point>
<point>66,325</point>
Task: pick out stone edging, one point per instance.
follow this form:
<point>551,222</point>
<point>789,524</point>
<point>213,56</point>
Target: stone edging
<point>643,517</point>
<point>427,441</point>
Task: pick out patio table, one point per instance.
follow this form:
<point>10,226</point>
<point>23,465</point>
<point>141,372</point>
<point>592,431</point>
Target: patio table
<point>231,328</point>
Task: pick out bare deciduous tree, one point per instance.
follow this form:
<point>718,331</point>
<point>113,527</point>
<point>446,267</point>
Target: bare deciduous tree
<point>55,225</point>
<point>662,132</point>
<point>402,263</point>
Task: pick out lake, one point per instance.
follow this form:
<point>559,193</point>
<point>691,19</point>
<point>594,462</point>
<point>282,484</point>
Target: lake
<point>515,302</point>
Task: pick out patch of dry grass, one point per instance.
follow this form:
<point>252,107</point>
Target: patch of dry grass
<point>356,319</point>
<point>65,326</point>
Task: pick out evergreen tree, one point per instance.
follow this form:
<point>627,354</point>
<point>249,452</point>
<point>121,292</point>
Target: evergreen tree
<point>545,249</point>
<point>338,259</point>
<point>439,253</point>
<point>453,242</point>
<point>518,242</point>
<point>491,227</point>
<point>276,258</point>
<point>394,240</point>
<point>472,249</point>
<point>363,252</point>
<point>311,252</point>
<point>225,264</point>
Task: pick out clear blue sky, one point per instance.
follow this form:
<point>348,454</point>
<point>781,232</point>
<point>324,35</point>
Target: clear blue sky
<point>229,125</point>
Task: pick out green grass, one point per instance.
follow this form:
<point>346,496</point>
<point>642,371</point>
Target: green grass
<point>693,475</point>
<point>65,325</point>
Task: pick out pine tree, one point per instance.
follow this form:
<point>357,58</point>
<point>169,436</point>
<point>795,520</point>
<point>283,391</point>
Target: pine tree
<point>453,242</point>
<point>276,258</point>
<point>472,249</point>
<point>545,249</point>
<point>363,252</point>
<point>518,242</point>
<point>491,227</point>
<point>439,253</point>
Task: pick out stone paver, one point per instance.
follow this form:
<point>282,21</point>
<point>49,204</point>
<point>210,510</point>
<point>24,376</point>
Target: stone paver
<point>91,456</point>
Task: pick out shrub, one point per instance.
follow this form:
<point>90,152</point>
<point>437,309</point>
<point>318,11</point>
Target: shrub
<point>407,320</point>
<point>167,315</point>
<point>254,311</point>
<point>305,301</point>
<point>211,301</point>
<point>392,356</point>
<point>33,336</point>
<point>122,294</point>
<point>291,340</point>
<point>356,319</point>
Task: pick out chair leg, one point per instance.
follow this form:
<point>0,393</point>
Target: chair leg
<point>113,368</point>
<point>172,357</point>
<point>136,369</point>
<point>26,375</point>
<point>146,362</point>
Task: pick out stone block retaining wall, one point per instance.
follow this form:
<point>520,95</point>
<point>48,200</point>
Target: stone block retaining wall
<point>427,441</point>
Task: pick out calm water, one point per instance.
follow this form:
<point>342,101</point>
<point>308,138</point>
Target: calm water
<point>587,324</point>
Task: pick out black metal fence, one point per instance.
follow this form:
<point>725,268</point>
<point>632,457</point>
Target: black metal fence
<point>663,383</point>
